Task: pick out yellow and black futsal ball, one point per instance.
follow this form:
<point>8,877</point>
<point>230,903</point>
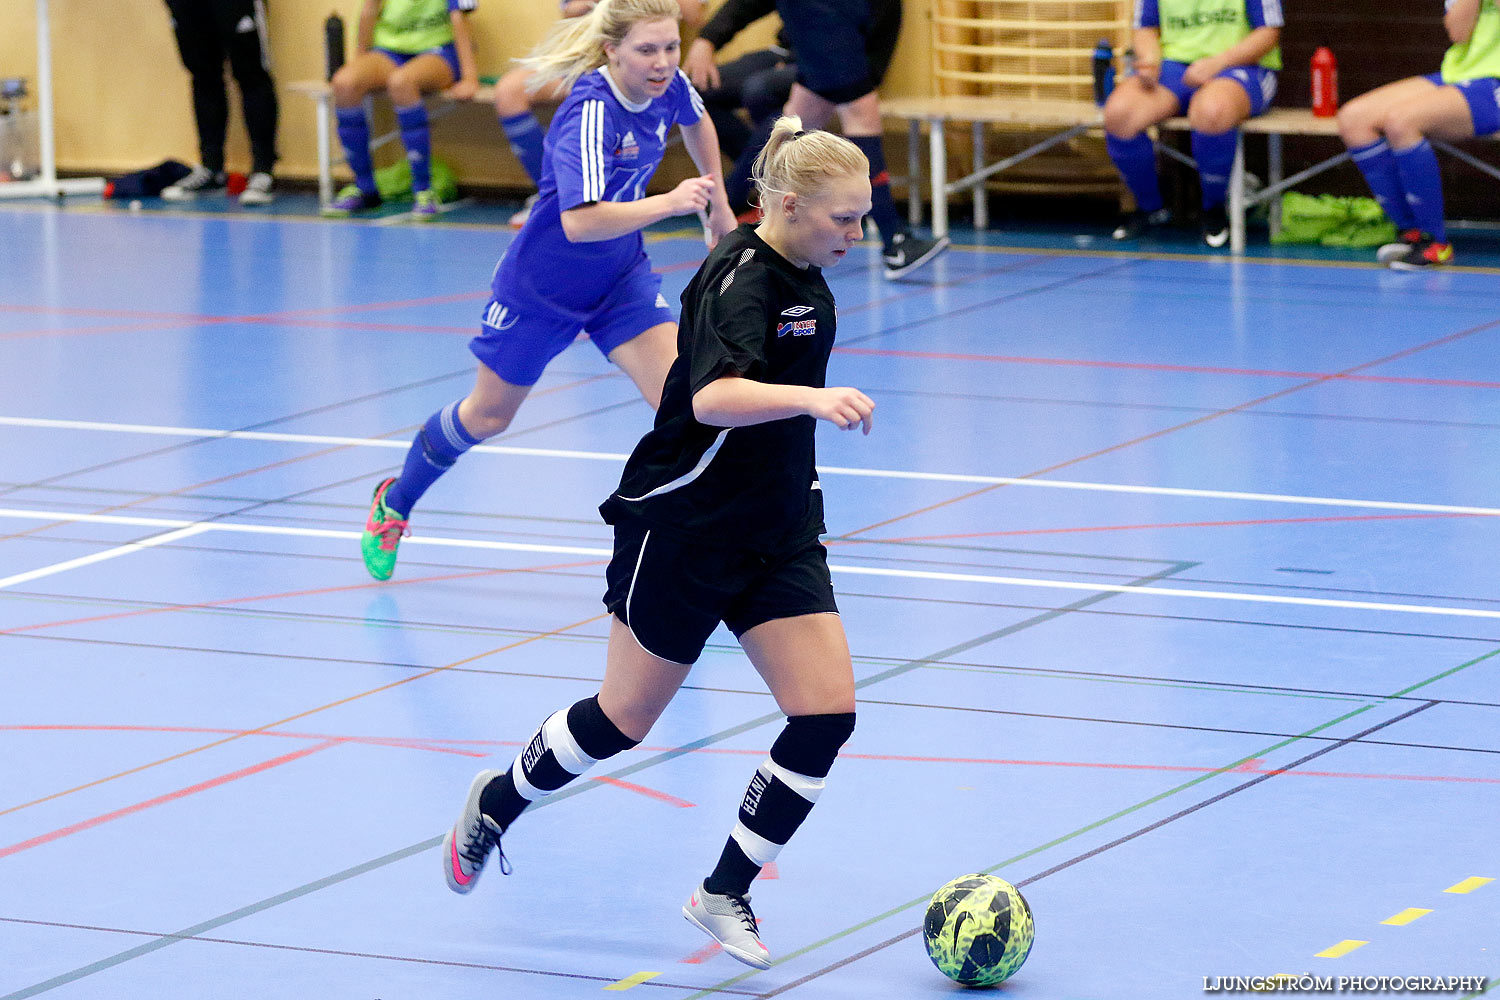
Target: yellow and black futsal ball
<point>978,930</point>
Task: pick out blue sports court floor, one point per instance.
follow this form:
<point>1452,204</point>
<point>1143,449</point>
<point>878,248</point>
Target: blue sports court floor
<point>1170,580</point>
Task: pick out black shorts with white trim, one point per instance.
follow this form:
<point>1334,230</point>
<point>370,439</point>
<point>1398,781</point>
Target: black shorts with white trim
<point>673,591</point>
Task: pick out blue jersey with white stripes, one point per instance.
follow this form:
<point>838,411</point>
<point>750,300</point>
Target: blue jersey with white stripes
<point>600,147</point>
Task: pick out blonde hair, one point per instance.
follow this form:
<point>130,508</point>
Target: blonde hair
<point>800,163</point>
<point>576,45</point>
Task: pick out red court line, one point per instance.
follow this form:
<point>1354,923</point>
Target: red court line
<point>380,741</point>
<point>1156,367</point>
<point>643,790</point>
<point>181,793</point>
<point>341,701</point>
<point>1174,524</point>
<point>702,954</point>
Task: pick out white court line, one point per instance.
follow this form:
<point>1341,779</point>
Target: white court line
<point>604,456</point>
<point>191,527</point>
<point>119,550</point>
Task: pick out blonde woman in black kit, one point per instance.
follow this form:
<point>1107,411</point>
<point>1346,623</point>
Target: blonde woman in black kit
<point>717,518</point>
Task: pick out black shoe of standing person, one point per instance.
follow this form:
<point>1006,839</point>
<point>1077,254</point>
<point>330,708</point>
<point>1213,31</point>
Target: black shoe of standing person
<point>1134,225</point>
<point>905,253</point>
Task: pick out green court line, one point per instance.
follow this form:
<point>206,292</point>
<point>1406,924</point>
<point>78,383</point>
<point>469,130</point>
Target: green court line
<point>922,900</point>
<point>578,788</point>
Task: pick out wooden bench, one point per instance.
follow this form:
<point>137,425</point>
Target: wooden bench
<point>1072,118</point>
<point>322,94</point>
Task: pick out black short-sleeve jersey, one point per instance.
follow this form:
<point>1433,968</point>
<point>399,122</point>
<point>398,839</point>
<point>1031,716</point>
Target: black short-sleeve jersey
<point>747,312</point>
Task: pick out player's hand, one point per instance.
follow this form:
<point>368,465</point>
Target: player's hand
<point>692,195</point>
<point>721,220</point>
<point>1200,71</point>
<point>464,90</point>
<point>1148,73</point>
<point>844,407</point>
<point>699,64</point>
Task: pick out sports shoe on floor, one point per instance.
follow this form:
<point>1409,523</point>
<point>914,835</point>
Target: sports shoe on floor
<point>258,189</point>
<point>200,181</point>
<point>1404,242</point>
<point>1133,225</point>
<point>383,531</point>
<point>729,921</point>
<point>1426,254</point>
<point>426,205</point>
<point>467,846</point>
<point>351,201</point>
<point>1215,226</point>
<point>905,253</point>
<point>523,213</point>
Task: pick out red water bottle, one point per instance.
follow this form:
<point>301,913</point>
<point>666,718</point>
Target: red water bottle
<point>1325,84</point>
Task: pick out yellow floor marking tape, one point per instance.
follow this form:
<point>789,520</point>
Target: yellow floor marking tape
<point>1469,884</point>
<point>1340,949</point>
<point>1406,916</point>
<point>630,981</point>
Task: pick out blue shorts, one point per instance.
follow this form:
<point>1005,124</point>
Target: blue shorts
<point>449,53</point>
<point>1258,82</point>
<point>1483,96</point>
<point>517,341</point>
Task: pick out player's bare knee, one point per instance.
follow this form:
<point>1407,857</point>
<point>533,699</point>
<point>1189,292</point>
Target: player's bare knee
<point>511,97</point>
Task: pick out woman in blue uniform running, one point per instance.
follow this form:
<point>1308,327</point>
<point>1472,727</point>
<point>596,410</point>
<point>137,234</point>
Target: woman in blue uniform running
<point>579,263</point>
<point>1386,131</point>
<point>717,519</point>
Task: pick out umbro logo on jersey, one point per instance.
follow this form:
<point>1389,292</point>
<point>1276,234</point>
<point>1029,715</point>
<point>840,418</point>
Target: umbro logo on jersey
<point>629,148</point>
<point>797,328</point>
<point>796,311</point>
<point>661,130</point>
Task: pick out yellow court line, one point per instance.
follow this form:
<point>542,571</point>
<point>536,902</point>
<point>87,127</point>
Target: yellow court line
<point>1340,949</point>
<point>1406,916</point>
<point>1469,884</point>
<point>630,981</point>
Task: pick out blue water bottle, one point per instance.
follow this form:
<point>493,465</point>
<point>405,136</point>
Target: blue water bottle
<point>1104,71</point>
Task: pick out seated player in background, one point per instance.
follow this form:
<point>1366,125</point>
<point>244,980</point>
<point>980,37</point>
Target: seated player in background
<point>1386,131</point>
<point>1216,60</point>
<point>408,48</point>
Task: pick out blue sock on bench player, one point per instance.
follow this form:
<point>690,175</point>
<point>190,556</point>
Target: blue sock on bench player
<point>1378,164</point>
<point>417,138</point>
<point>1215,156</point>
<point>525,135</point>
<point>1423,181</point>
<point>1136,161</point>
<point>354,134</point>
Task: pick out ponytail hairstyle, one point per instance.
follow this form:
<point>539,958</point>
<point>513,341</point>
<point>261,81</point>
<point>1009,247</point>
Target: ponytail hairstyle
<point>576,45</point>
<point>800,163</point>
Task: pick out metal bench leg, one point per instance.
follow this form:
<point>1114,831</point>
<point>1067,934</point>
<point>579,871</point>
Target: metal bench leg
<point>938,148</point>
<point>981,206</point>
<point>1237,198</point>
<point>914,172</point>
<point>325,151</point>
<point>1273,172</point>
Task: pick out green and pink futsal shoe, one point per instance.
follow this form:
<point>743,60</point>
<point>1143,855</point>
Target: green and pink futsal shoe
<point>383,531</point>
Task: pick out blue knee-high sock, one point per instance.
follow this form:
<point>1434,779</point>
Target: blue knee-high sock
<point>354,134</point>
<point>1378,165</point>
<point>1215,156</point>
<point>1136,161</point>
<point>417,139</point>
<point>436,447</point>
<point>882,205</point>
<point>525,135</point>
<point>1420,177</point>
